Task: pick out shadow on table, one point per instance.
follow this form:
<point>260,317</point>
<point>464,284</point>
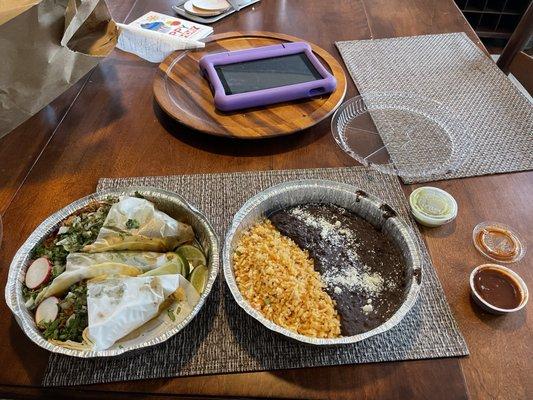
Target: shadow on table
<point>32,358</point>
<point>235,146</point>
<point>509,323</point>
<point>439,232</point>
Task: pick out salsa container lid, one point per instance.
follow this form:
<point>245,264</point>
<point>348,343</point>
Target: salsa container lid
<point>432,206</point>
<point>498,242</point>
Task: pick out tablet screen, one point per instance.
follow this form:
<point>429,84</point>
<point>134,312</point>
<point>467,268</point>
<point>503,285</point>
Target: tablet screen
<point>266,73</point>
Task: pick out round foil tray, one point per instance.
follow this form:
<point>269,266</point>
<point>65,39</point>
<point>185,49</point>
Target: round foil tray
<point>323,191</point>
<point>168,202</point>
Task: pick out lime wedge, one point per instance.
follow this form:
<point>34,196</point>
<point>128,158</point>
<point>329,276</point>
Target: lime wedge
<point>193,254</point>
<point>198,278</point>
<point>186,266</point>
<point>174,267</point>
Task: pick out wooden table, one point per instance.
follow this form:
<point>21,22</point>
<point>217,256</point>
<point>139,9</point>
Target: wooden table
<point>108,125</point>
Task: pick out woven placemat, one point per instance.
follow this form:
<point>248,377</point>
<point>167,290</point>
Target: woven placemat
<point>222,338</point>
<point>453,71</point>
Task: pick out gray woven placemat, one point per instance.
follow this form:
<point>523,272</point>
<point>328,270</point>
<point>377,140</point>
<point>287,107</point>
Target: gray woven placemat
<point>453,71</point>
<point>223,339</point>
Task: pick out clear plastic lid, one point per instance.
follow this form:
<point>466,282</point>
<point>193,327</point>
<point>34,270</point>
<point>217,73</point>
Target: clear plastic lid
<point>403,134</point>
<point>498,242</point>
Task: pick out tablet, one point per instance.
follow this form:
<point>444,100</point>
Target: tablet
<point>265,75</point>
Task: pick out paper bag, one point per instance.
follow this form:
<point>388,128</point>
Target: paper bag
<point>46,47</point>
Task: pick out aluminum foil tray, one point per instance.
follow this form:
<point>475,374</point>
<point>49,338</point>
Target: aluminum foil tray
<point>168,202</point>
<point>323,191</point>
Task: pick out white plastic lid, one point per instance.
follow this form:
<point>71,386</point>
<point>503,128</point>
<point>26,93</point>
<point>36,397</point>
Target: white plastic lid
<point>432,206</point>
<point>403,134</point>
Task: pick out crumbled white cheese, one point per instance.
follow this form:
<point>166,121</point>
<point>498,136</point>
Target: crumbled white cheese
<point>352,275</point>
<point>352,278</point>
<point>328,232</point>
<point>367,308</point>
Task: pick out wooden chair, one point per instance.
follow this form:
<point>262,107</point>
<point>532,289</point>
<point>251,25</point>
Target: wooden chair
<point>513,60</point>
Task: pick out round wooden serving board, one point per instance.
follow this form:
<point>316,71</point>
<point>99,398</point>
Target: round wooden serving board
<point>184,93</point>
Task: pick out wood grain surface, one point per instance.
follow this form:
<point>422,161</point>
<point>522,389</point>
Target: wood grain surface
<point>112,128</point>
<point>22,147</point>
<point>184,94</point>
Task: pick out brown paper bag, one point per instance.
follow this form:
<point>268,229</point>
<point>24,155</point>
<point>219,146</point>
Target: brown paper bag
<point>46,47</point>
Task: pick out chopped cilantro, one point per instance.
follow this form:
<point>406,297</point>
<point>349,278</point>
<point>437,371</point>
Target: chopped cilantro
<point>82,230</point>
<point>171,315</point>
<point>75,232</point>
<point>72,318</point>
<point>132,224</point>
<point>51,329</point>
<point>57,270</point>
<point>30,294</point>
<point>56,254</point>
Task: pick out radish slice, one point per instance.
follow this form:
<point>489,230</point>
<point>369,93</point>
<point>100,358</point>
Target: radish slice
<point>47,310</point>
<point>38,273</point>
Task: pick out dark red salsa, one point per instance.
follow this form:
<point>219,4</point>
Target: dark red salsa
<point>497,288</point>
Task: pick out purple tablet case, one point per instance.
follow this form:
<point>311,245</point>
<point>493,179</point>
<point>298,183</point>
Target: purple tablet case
<point>238,101</point>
